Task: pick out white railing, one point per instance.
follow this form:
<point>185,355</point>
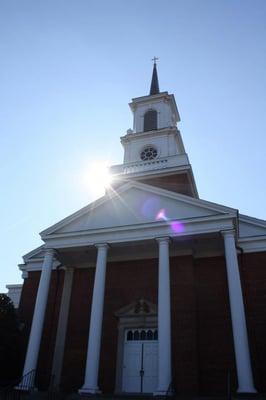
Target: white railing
<point>141,166</point>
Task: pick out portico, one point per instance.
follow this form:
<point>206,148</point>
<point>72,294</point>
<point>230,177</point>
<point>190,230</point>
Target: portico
<point>159,241</point>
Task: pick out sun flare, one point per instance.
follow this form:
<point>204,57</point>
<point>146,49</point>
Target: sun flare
<point>98,178</point>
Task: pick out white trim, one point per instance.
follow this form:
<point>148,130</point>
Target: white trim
<point>154,99</point>
<point>14,286</point>
<point>140,232</point>
<point>137,226</point>
<point>133,184</point>
<point>253,221</point>
<point>146,134</point>
<point>34,252</point>
<point>127,320</point>
<point>174,252</point>
<point>253,244</point>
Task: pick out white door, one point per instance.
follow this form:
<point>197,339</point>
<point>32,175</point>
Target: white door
<point>150,366</point>
<point>132,367</point>
<point>140,361</point>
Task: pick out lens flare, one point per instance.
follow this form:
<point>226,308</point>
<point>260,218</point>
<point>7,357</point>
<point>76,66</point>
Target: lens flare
<point>161,215</point>
<point>176,226</point>
<point>150,207</point>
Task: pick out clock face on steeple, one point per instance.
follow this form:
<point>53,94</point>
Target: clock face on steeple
<point>148,153</point>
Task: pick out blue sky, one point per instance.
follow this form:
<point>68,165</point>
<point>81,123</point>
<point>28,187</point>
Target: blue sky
<point>67,72</point>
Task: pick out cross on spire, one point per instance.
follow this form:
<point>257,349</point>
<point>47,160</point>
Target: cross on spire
<point>154,80</point>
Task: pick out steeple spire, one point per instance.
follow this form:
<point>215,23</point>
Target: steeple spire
<point>154,81</point>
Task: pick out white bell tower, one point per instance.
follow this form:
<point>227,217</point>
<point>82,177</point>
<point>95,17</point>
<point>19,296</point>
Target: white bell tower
<point>153,151</point>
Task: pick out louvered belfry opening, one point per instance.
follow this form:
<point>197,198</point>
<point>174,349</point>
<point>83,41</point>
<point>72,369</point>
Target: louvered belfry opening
<point>150,120</point>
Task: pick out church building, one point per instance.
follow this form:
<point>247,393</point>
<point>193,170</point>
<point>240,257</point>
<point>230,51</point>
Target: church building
<point>149,289</point>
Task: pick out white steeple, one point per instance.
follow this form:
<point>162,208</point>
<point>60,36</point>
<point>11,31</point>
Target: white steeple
<point>154,148</point>
<point>154,124</point>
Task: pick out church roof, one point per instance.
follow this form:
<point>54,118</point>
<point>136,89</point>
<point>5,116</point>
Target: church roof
<point>154,82</point>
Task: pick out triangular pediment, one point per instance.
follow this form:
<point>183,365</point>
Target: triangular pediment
<point>35,254</point>
<point>136,203</point>
<point>250,227</point>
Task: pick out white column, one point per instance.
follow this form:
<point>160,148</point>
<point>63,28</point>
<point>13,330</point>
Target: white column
<point>95,334</point>
<point>62,327</point>
<point>164,320</point>
<point>242,356</point>
<point>38,317</point>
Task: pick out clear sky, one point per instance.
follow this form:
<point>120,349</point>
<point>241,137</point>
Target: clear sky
<point>67,72</point>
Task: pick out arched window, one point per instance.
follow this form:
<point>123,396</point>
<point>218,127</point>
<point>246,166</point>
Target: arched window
<point>143,335</point>
<point>136,335</point>
<point>150,120</point>
<point>149,334</point>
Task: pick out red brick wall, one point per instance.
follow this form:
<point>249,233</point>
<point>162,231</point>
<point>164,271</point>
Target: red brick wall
<point>184,325</point>
<point>214,333</point>
<point>178,183</point>
<point>201,327</point>
<point>253,272</point>
<point>77,330</point>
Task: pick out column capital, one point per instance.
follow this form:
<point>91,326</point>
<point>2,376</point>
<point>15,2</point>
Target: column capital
<point>229,232</point>
<point>102,245</point>
<point>50,251</point>
<point>164,239</point>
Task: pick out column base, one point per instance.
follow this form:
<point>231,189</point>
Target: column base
<point>162,393</point>
<point>244,391</point>
<point>89,391</point>
<point>25,388</point>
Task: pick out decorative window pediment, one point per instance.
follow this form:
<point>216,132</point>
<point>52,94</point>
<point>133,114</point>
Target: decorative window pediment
<point>139,307</point>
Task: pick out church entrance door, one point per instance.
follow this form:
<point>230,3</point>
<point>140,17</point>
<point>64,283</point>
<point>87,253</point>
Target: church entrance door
<point>140,361</point>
